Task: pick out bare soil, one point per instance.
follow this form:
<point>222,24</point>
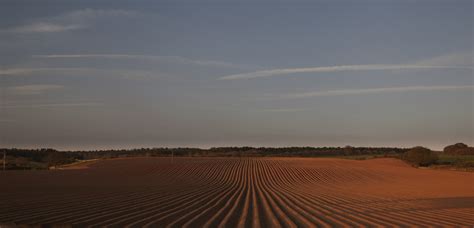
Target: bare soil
<point>233,192</point>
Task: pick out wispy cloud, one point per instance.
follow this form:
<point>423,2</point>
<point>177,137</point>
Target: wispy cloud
<point>270,73</point>
<point>451,61</point>
<point>43,27</point>
<point>79,71</point>
<point>23,71</point>
<point>281,110</point>
<point>85,14</point>
<point>376,91</point>
<point>73,20</point>
<point>54,105</point>
<point>178,59</point>
<point>33,89</point>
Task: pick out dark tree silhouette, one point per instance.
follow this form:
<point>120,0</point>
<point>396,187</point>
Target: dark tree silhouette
<point>55,158</point>
<point>420,156</point>
<point>459,149</point>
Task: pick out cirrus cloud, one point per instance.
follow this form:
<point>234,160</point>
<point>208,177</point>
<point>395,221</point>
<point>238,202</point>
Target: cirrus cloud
<point>33,89</point>
<point>175,59</point>
<point>275,72</point>
<point>343,92</point>
<point>450,61</point>
<point>43,27</point>
<point>127,74</point>
<point>73,20</point>
<point>54,105</point>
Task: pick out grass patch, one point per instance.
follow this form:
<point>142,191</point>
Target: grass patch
<point>460,161</point>
<point>450,159</point>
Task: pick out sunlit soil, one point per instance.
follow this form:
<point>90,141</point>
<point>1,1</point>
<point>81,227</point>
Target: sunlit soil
<point>247,192</point>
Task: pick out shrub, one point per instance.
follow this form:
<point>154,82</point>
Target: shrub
<point>465,164</point>
<point>55,158</point>
<point>459,149</point>
<point>420,156</point>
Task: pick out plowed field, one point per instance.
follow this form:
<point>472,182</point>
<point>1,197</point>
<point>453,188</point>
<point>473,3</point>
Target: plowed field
<point>233,192</point>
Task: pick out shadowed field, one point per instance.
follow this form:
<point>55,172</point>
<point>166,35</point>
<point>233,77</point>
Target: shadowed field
<point>231,192</point>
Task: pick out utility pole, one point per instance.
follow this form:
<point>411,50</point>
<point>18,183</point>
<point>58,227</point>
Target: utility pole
<point>172,156</point>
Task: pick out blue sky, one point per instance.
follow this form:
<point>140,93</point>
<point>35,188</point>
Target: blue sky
<point>117,74</point>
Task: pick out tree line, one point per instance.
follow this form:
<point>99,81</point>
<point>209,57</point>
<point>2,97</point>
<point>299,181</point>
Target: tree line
<point>47,157</point>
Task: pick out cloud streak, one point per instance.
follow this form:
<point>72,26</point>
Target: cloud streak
<point>54,105</point>
<point>73,20</point>
<point>77,71</point>
<point>34,89</point>
<point>456,59</point>
<point>178,59</point>
<point>275,72</point>
<point>43,27</point>
<point>376,91</point>
<point>282,110</point>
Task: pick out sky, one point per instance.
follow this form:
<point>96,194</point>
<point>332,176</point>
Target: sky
<point>84,75</point>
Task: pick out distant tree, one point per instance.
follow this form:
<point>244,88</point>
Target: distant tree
<point>55,158</point>
<point>21,162</point>
<point>451,149</point>
<point>420,156</point>
<point>348,150</point>
<point>466,151</point>
<point>459,149</point>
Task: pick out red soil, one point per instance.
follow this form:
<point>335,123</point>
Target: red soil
<point>228,192</point>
